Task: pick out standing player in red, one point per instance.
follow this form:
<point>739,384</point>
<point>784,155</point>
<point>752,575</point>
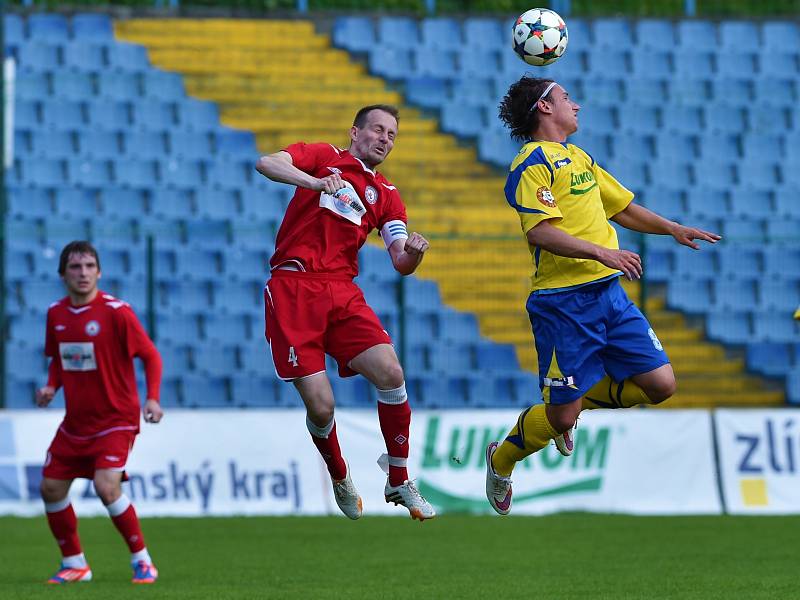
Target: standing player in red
<point>92,338</point>
<point>313,307</point>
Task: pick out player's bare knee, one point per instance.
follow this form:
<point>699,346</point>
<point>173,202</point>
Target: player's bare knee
<point>51,491</point>
<point>320,415</point>
<point>107,492</point>
<point>662,390</point>
<point>391,376</point>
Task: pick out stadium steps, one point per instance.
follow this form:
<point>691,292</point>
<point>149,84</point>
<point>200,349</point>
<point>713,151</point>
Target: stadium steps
<point>264,82</point>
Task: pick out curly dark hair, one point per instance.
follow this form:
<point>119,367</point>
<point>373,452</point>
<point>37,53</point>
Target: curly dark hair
<point>515,107</point>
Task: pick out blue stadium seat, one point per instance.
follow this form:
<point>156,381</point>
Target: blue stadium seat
<point>261,392</point>
<point>37,56</point>
<point>55,145</point>
<point>204,392</point>
<point>633,147</point>
<point>746,230</point>
<point>735,35</point>
<point>107,115</point>
<point>775,327</point>
<point>736,63</point>
<point>398,32</point>
<point>441,34</point>
<point>163,85</point>
<point>48,26</point>
<point>199,264</point>
<point>243,297</point>
<point>392,63</point>
<point>188,297</point>
<point>258,235</point>
<point>772,121</point>
<point>691,91</point>
<point>645,92</point>
<point>422,294</point>
<point>215,360</point>
<point>32,86</point>
<point>779,295</point>
<point>76,202</point>
<point>145,145</point>
<point>497,147</point>
<point>231,329</point>
<point>732,91</point>
<point>92,26</point>
<point>693,63</point>
<point>472,64</point>
<point>697,35</point>
<point>778,64</point>
<point>264,206</point>
<point>470,90</point>
<point>84,56</point>
<point>207,233</point>
<point>72,86</point>
<point>136,173</point>
<point>724,119</point>
<point>29,360</point>
<point>610,63</point>
<point>457,326</point>
<point>356,34</point>
<point>462,119</point>
<point>786,204</point>
<point>776,91</point>
<point>579,35</point>
<point>352,391</point>
<point>382,297</point>
<point>631,175</point>
<point>599,119</point>
<point>694,299</point>
<point>198,115</point>
<point>783,230</point>
<point>181,173</point>
<point>128,57</point>
<point>246,265</point>
<point>685,120</point>
<point>651,65</point>
<point>98,143</point>
<point>13,29</point>
<point>793,386</point>
<point>229,173</point>
<point>217,204</point>
<point>59,232</point>
<point>604,91</point>
<point>780,36</point>
<point>36,172</point>
<point>153,114</point>
<point>738,260</point>
<point>736,295</point>
<point>428,92</point>
<point>597,145</point>
<point>769,358</point>
<point>658,34</point>
<point>255,357</point>
<point>119,86</point>
<point>612,33</point>
<point>20,392</point>
<point>494,357</point>
<point>749,202</point>
<point>89,173</point>
<point>729,327</point>
<point>236,144</point>
<point>485,33</point>
<point>19,263</point>
<point>458,359</point>
<point>62,114</point>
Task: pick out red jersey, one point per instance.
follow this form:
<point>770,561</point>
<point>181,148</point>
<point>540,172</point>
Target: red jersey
<point>323,233</point>
<point>92,347</point>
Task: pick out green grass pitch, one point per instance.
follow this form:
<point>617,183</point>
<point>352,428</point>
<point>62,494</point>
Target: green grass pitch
<point>561,556</point>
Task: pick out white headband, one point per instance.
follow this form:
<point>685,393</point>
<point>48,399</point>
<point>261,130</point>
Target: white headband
<point>544,93</point>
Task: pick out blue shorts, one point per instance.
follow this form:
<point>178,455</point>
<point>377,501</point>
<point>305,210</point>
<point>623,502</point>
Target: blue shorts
<point>584,333</point>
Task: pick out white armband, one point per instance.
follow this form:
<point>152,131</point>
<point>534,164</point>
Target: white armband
<point>393,231</point>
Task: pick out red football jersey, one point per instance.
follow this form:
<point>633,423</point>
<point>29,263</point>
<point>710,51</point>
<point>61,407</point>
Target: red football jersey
<point>93,346</point>
<point>324,233</point>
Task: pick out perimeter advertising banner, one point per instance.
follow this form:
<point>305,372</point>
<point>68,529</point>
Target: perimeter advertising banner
<point>760,460</point>
<point>262,462</point>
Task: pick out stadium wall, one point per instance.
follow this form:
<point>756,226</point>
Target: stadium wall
<point>259,462</point>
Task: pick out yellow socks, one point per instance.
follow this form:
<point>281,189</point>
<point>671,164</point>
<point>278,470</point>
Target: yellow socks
<point>609,394</point>
<point>531,433</point>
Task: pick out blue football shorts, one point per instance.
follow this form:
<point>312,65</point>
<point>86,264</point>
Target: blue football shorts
<point>584,333</point>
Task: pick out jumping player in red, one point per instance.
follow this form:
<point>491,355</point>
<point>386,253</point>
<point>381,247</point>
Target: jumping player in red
<point>313,307</point>
<point>92,338</point>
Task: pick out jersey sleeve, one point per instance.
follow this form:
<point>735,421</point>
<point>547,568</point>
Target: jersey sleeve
<point>614,195</point>
<point>50,344</point>
<point>528,191</point>
<point>307,157</point>
<point>394,220</point>
<point>138,344</point>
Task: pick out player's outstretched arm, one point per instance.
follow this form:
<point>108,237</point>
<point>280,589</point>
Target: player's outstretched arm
<point>407,253</point>
<point>559,242</point>
<point>638,218</point>
<point>279,167</point>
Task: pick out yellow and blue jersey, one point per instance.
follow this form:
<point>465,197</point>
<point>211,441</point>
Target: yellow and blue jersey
<point>563,184</point>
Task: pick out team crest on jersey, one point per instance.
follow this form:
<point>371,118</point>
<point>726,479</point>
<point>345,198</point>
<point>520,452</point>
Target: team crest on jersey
<point>92,328</point>
<point>545,196</point>
<point>335,170</point>
<point>371,194</point>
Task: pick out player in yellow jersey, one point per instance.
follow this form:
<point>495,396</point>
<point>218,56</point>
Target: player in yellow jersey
<point>596,349</point>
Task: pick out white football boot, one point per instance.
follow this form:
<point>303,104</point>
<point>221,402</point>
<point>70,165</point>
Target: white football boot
<point>347,498</point>
<point>408,495</point>
<point>498,488</point>
<point>566,442</point>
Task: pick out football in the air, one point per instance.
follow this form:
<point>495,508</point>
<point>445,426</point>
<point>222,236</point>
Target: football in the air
<point>540,36</point>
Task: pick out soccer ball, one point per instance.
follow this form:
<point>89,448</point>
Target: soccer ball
<point>540,36</point>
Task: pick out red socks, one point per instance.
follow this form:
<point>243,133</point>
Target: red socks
<point>394,415</point>
<point>327,444</point>
<point>127,523</point>
<point>64,525</point>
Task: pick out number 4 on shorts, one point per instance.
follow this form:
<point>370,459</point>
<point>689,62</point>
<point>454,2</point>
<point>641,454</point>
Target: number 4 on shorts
<point>292,356</point>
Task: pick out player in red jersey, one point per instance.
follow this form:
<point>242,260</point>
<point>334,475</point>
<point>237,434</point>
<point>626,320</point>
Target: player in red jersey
<point>313,307</point>
<point>92,338</point>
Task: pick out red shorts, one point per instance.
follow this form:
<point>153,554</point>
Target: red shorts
<point>69,457</point>
<point>309,315</point>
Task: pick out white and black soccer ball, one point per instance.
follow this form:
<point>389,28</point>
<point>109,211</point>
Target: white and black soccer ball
<point>540,36</point>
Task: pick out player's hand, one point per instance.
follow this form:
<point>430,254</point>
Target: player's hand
<point>152,411</point>
<point>44,395</point>
<point>626,261</point>
<point>416,245</point>
<point>686,236</point>
<point>330,184</point>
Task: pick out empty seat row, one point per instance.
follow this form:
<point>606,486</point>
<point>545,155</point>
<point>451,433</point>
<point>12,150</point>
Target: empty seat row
<point>361,34</point>
<point>56,27</point>
<point>746,295</point>
<point>744,328</point>
<point>79,56</point>
<point>773,359</point>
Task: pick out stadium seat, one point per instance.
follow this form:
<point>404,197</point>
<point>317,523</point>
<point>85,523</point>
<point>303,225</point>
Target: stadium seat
<point>697,35</point>
<point>398,32</point>
<point>428,92</point>
<point>215,360</point>
<point>356,34</point>
<point>163,85</point>
<point>735,295</point>
<point>780,36</point>
<point>92,26</point>
<point>106,115</point>
<point>732,91</point>
<point>484,33</point>
<point>89,57</point>
<point>128,57</point>
<point>686,120</point>
<point>54,145</point>
<point>181,173</point>
<point>392,63</point>
<point>153,115</point>
<point>136,173</point>
<point>198,115</point>
<point>38,57</point>
<point>236,144</point>
<point>352,391</point>
<point>658,34</point>
<point>20,392</point>
<point>733,328</point>
<point>263,392</point>
<point>35,172</point>
<point>770,358</point>
<point>694,299</point>
<point>89,173</point>
<point>229,173</point>
<point>227,329</point>
<point>198,264</point>
<point>72,86</point>
<point>116,85</point>
<point>651,65</point>
<point>48,26</point>
<point>13,29</point>
<point>204,392</point>
<point>100,144</point>
<point>62,114</point>
<point>76,202</point>
<point>779,295</point>
<point>441,34</point>
<point>775,327</point>
<point>494,357</point>
<point>144,145</point>
<point>32,86</point>
<point>735,62</point>
<point>217,204</point>
<point>471,64</point>
<point>612,33</point>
